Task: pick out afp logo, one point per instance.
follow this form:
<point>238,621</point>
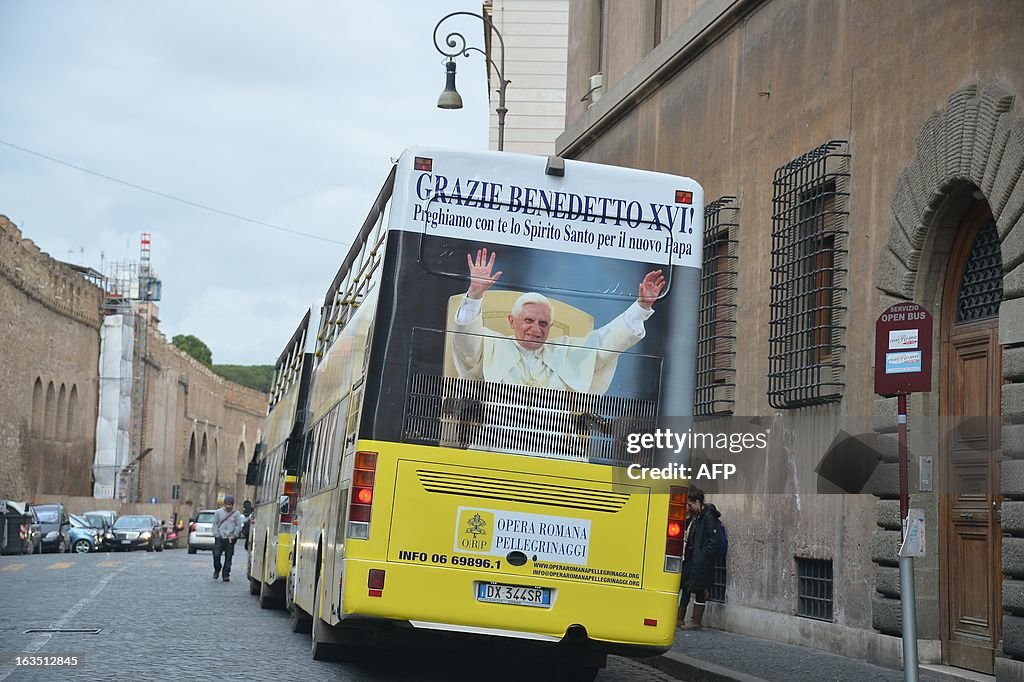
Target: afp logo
<point>474,530</point>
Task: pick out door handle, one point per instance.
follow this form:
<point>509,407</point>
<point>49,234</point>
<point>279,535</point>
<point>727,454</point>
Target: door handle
<point>966,515</point>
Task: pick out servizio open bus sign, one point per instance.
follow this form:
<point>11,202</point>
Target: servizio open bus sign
<point>903,350</point>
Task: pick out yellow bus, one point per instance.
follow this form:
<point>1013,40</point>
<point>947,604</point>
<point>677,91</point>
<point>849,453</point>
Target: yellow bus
<point>276,474</point>
<point>500,325</point>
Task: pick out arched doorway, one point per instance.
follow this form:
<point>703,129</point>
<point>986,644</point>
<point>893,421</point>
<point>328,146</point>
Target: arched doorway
<point>970,396</point>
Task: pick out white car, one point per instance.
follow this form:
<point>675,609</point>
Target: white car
<point>200,534</point>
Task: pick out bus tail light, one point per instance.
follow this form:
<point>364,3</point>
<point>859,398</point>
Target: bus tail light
<point>375,582</point>
<point>674,530</point>
<point>291,491</point>
<point>364,475</point>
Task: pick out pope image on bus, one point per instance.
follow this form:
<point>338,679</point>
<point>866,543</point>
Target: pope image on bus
<point>373,524</point>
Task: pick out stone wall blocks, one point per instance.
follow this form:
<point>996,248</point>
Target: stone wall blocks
<point>1009,170</point>
<point>885,615</point>
<point>1012,248</point>
<point>905,206</point>
<point>893,275</point>
<point>1013,359</point>
<point>959,133</point>
<point>887,514</point>
<point>1011,479</point>
<point>883,415</point>
<point>887,581</point>
<point>1013,636</point>
<point>1010,217</point>
<point>1013,283</point>
<point>1000,139</point>
<point>1012,441</point>
<point>1009,670</point>
<point>1012,516</point>
<point>885,547</point>
<point>1013,557</point>
<point>1013,395</point>
<point>1013,596</point>
<point>886,301</point>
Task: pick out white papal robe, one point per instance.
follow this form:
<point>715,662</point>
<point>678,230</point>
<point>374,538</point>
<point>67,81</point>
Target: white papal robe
<point>584,364</point>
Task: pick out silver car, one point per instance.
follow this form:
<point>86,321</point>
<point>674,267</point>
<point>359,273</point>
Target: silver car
<point>200,534</point>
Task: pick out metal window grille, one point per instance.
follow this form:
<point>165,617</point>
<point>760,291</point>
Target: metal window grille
<point>814,588</point>
<point>524,420</point>
<point>981,289</point>
<point>717,591</point>
<point>716,341</point>
<point>808,286</point>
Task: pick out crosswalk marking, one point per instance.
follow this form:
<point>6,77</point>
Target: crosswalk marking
<point>60,564</point>
<point>13,567</point>
<point>109,564</point>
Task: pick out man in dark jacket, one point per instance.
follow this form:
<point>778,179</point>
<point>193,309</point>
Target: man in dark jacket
<point>702,546</point>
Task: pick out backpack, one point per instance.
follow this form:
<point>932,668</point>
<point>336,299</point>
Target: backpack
<point>723,549</point>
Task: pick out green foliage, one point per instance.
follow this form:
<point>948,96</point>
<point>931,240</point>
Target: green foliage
<point>194,347</point>
<point>253,376</point>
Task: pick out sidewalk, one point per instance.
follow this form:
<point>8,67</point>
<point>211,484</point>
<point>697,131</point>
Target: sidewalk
<point>717,656</point>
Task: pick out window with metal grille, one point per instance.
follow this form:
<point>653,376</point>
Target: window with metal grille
<point>717,591</point>
<point>814,588</point>
<point>716,339</point>
<point>981,289</point>
<point>808,287</point>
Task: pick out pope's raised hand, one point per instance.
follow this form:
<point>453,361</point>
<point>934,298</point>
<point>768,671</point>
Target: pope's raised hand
<point>480,273</point>
<point>650,289</point>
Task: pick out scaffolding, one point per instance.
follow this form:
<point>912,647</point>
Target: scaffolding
<point>131,289</point>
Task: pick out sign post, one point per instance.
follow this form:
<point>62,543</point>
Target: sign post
<point>903,365</point>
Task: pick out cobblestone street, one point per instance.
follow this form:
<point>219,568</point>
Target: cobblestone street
<point>162,617</point>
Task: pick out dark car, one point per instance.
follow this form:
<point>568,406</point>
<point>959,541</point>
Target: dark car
<point>55,525</point>
<point>138,530</point>
<point>84,536</point>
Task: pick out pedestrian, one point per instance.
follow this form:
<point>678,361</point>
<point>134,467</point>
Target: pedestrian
<point>227,524</point>
<point>700,548</point>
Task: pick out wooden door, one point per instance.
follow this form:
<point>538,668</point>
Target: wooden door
<point>970,402</point>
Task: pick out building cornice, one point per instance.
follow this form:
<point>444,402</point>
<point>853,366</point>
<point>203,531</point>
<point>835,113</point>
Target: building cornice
<point>712,20</point>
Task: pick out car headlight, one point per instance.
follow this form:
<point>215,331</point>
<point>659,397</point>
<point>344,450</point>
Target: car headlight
<point>108,535</point>
<point>145,535</point>
<point>51,535</point>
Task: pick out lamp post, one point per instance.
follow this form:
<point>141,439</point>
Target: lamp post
<point>457,45</point>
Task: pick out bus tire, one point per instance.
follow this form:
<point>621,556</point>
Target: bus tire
<point>268,598</point>
<point>324,647</point>
<point>298,620</point>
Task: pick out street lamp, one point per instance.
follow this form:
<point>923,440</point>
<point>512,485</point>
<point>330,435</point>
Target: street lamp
<point>457,45</point>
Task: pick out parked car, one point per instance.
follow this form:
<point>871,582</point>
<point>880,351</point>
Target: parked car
<point>138,530</point>
<point>200,535</point>
<point>55,525</point>
<point>84,536</point>
<point>104,519</point>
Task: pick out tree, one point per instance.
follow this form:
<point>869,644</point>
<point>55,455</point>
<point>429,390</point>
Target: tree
<point>194,347</point>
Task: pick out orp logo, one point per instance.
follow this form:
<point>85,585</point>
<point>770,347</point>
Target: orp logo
<point>474,531</point>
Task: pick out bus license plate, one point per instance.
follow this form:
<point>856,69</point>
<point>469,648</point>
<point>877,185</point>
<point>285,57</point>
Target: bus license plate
<point>514,594</point>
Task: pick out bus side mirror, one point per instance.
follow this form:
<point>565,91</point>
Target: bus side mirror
<point>285,504</point>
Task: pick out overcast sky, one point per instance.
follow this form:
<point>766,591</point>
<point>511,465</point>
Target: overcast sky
<point>285,113</point>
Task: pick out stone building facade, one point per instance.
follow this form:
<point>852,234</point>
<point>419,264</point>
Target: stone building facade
<point>49,336</point>
<point>854,155</point>
<point>199,430</point>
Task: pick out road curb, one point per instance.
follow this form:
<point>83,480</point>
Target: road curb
<point>695,670</point>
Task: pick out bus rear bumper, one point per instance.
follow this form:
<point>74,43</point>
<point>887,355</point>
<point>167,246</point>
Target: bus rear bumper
<point>585,616</point>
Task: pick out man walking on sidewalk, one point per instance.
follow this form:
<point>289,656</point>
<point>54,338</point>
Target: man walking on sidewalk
<point>227,524</point>
<point>703,544</point>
